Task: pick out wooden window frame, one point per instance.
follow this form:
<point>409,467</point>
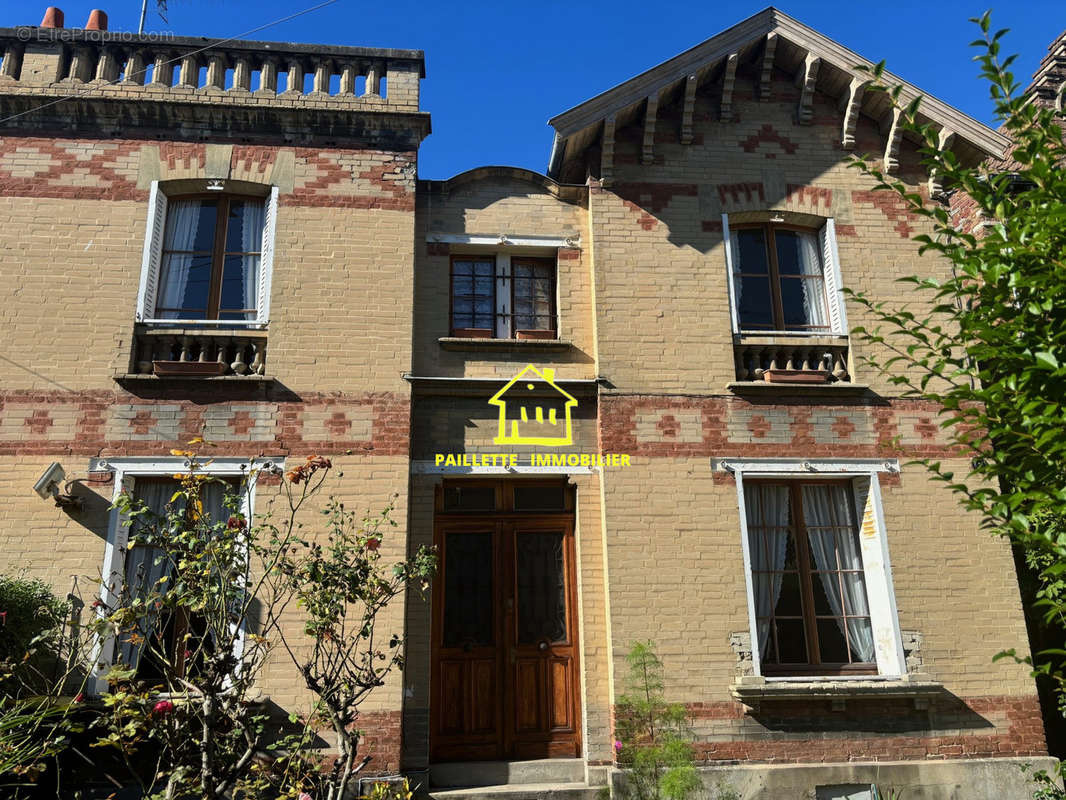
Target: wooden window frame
<point>798,531</point>
<point>503,283</point>
<point>471,332</point>
<point>218,255</point>
<point>777,310</point>
<point>504,489</point>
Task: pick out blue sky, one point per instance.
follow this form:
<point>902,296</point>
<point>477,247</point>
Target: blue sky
<point>496,71</point>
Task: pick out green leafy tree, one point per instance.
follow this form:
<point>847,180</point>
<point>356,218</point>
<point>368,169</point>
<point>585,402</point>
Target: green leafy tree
<point>988,344</point>
<point>654,742</point>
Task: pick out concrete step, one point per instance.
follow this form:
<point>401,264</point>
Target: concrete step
<point>507,773</point>
<point>519,791</point>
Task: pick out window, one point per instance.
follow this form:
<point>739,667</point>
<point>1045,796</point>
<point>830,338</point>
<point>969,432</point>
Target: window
<point>180,632</point>
<point>784,278</point>
<point>207,258</point>
<point>130,568</point>
<point>503,296</point>
<point>807,577</point>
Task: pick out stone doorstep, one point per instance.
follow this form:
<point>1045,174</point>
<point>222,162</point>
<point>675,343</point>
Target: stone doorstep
<point>541,772</point>
<point>519,791</point>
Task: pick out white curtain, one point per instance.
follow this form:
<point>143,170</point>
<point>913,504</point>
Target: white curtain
<point>734,252</point>
<point>833,535</point>
<point>767,515</point>
<point>810,258</point>
<point>183,220</point>
<point>251,242</point>
<point>145,566</point>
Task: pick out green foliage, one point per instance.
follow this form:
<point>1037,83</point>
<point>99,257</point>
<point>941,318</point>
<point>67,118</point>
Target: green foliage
<point>654,743</point>
<point>989,342</point>
<point>31,620</point>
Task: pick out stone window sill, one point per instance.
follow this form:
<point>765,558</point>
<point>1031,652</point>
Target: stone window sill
<point>838,389</point>
<point>506,345</point>
<point>752,690</point>
<point>136,377</point>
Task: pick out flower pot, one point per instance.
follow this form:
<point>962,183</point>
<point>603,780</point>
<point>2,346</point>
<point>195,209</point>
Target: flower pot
<point>188,369</point>
<point>534,334</point>
<point>472,333</point>
<point>800,376</point>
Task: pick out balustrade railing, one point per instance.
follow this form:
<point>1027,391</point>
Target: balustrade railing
<point>179,65</point>
<point>190,352</point>
<point>775,359</point>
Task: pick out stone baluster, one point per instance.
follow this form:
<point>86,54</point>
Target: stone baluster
<point>147,348</point>
<point>323,72</point>
<point>741,355</point>
<point>216,72</point>
<point>162,70</point>
<point>296,78</point>
<point>268,77</point>
<point>239,366</point>
<point>373,78</point>
<point>186,349</point>
<point>81,65</point>
<point>756,362</point>
<point>259,361</point>
<point>135,72</point>
<point>348,73</point>
<point>242,75</point>
<point>189,76</point>
<point>107,66</point>
<point>839,365</point>
<point>12,57</point>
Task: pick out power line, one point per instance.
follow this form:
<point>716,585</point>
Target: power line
<point>216,43</point>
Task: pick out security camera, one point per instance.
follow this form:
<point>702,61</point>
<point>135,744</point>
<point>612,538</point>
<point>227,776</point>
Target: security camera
<point>47,485</point>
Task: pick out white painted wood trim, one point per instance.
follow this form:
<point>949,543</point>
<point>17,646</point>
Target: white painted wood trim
<point>427,467</point>
<point>734,312</point>
<point>126,470</point>
<point>880,593</point>
<point>502,322</point>
<point>797,466</point>
<point>753,629</point>
<point>571,240</point>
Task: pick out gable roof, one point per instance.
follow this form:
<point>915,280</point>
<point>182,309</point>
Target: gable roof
<point>785,42</point>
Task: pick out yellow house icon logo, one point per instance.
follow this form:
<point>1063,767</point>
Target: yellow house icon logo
<point>523,419</point>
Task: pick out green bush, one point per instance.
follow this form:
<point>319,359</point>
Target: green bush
<point>31,622</point>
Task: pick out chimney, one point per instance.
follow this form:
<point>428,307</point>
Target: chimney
<point>97,21</point>
<point>53,18</point>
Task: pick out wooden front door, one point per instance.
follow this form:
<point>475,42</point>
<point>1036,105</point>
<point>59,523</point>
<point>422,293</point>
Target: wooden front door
<point>505,633</point>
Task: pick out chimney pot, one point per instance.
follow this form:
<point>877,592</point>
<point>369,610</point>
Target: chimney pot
<point>97,21</point>
<point>53,18</point>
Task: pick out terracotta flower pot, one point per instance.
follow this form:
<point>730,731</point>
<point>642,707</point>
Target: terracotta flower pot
<point>472,333</point>
<point>198,369</point>
<point>534,334</point>
<point>800,376</point>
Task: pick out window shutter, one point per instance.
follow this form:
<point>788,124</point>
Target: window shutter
<point>266,259</point>
<point>833,285</point>
<point>873,545</point>
<point>153,251</point>
<point>731,270</point>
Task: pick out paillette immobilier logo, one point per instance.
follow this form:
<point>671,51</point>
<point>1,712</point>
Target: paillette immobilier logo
<point>529,417</point>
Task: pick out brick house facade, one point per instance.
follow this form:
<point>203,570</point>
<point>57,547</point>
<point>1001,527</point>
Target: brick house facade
<point>378,314</point>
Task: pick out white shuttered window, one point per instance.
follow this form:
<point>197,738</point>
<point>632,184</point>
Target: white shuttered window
<point>208,258</point>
